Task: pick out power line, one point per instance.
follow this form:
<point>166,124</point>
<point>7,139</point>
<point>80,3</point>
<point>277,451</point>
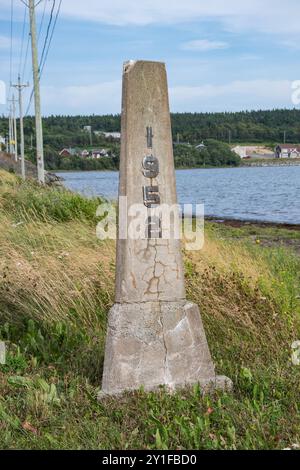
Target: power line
<point>26,55</point>
<point>29,104</point>
<point>47,33</point>
<point>38,38</point>
<point>13,128</point>
<point>28,39</point>
<point>11,38</point>
<point>42,20</point>
<point>20,86</point>
<point>51,37</point>
<point>23,37</point>
<point>46,48</point>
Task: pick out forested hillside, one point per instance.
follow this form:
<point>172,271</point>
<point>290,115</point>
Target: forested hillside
<point>247,126</point>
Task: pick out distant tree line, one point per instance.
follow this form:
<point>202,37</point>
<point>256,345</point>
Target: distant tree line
<point>215,129</point>
<point>241,127</point>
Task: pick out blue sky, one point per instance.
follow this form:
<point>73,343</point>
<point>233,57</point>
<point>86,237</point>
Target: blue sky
<point>220,55</point>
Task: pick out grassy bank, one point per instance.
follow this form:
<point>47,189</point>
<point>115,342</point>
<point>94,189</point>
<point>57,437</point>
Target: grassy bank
<point>270,162</point>
<point>56,287</point>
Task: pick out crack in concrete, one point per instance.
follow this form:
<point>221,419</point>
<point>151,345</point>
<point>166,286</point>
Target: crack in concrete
<point>167,374</point>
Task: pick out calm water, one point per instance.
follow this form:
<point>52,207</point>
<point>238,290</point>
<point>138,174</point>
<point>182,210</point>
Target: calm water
<point>266,194</point>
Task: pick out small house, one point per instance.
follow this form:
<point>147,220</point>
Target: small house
<point>290,151</point>
<point>100,153</point>
<point>109,135</point>
<point>85,153</point>
<point>68,152</point>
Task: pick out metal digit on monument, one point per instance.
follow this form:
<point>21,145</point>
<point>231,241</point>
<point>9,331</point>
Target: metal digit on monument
<point>151,196</point>
<point>150,166</point>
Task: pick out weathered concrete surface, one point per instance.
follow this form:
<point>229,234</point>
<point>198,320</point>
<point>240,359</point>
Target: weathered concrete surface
<point>157,343</point>
<point>147,270</point>
<point>154,337</point>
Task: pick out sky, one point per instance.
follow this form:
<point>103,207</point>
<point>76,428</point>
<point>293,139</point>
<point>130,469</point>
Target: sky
<point>220,55</point>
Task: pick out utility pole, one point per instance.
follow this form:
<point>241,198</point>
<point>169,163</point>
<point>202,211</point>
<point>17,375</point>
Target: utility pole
<point>89,130</point>
<point>10,130</point>
<point>14,127</point>
<point>37,100</point>
<point>229,137</point>
<point>20,87</point>
<point>284,137</point>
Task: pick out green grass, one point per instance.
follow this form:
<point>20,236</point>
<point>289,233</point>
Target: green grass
<point>47,203</point>
<point>56,287</point>
<point>252,230</point>
<point>269,161</point>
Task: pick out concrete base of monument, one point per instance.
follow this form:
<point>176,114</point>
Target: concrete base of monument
<point>155,344</point>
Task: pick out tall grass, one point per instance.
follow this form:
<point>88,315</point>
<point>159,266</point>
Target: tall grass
<point>56,287</point>
<point>32,202</point>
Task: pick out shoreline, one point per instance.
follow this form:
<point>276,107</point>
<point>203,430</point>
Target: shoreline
<point>227,221</point>
<point>237,223</point>
<point>243,165</point>
<point>264,164</point>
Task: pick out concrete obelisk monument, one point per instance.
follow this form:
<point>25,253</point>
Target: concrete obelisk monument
<point>154,337</point>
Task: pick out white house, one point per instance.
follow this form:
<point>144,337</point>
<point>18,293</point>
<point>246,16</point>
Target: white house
<point>253,151</point>
<point>109,135</point>
<point>290,151</point>
<point>100,153</point>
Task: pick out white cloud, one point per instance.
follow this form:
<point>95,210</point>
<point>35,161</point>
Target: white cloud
<point>291,44</point>
<point>99,98</point>
<point>103,98</point>
<point>122,12</point>
<point>237,95</point>
<point>248,57</point>
<point>2,92</point>
<point>271,16</point>
<point>204,45</point>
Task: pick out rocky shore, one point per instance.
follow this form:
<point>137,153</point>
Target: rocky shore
<point>8,163</point>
